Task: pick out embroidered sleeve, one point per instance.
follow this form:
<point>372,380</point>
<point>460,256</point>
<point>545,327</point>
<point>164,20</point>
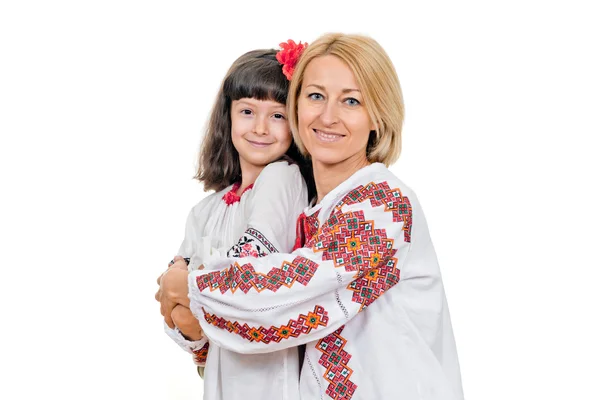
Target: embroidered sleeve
<point>284,300</point>
<point>278,197</point>
<point>198,348</point>
<point>252,244</point>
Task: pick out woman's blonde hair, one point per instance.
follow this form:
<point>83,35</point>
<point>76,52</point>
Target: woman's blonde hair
<point>377,81</point>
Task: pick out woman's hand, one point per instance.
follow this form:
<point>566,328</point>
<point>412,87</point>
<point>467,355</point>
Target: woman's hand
<point>186,322</point>
<point>173,290</point>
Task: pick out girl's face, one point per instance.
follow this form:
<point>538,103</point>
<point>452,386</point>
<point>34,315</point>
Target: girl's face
<point>333,123</point>
<point>259,131</point>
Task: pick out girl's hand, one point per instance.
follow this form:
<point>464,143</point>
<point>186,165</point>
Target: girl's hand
<point>179,263</point>
<point>186,322</point>
<point>173,290</point>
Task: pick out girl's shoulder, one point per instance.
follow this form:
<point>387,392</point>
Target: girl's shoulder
<point>280,172</point>
<point>282,180</point>
<point>209,202</point>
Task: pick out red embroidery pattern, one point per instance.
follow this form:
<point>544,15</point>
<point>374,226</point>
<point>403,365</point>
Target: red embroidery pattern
<point>245,277</point>
<point>201,354</point>
<point>392,199</point>
<point>352,242</point>
<point>375,282</point>
<point>335,360</point>
<point>231,197</point>
<point>294,328</point>
<point>306,228</point>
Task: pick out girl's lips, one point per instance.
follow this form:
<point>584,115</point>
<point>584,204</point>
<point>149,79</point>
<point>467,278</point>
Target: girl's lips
<point>259,144</point>
<point>328,137</point>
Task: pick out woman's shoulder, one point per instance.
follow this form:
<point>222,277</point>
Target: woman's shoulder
<point>377,184</point>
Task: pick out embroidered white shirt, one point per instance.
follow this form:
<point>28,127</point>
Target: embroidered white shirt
<point>260,222</point>
<point>364,294</point>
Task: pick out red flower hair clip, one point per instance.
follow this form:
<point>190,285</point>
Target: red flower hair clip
<point>289,55</point>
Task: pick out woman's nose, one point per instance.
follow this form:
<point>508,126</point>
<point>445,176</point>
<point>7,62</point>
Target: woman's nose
<point>329,116</point>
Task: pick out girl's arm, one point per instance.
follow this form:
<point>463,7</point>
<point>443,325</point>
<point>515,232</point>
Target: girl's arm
<point>279,195</point>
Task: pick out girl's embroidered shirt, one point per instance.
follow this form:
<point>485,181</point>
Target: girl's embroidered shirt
<point>259,222</point>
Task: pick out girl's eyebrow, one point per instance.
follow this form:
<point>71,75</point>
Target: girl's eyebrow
<point>242,102</point>
<point>323,88</point>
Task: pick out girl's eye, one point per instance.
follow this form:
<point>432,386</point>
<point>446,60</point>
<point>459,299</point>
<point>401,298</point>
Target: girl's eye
<point>315,96</point>
<point>279,116</point>
<point>246,112</point>
<point>351,101</point>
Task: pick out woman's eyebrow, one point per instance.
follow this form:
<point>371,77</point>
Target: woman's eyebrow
<point>323,88</point>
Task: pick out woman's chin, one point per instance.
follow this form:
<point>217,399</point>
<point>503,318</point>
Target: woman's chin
<point>326,157</point>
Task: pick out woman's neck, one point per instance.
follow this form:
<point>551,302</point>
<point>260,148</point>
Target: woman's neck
<point>330,176</point>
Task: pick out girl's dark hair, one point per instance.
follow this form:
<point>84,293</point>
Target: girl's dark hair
<point>258,75</point>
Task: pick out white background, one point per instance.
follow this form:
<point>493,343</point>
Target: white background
<point>102,104</point>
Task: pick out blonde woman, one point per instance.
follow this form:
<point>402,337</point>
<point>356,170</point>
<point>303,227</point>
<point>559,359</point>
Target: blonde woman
<point>364,293</point>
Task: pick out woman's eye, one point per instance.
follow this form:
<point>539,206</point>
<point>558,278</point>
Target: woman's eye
<point>351,101</point>
<point>315,96</point>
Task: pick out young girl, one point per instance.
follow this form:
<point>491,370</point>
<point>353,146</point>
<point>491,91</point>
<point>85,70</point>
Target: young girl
<point>249,160</point>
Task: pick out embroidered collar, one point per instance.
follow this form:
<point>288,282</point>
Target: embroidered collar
<point>340,190</point>
<point>306,228</point>
<point>231,197</point>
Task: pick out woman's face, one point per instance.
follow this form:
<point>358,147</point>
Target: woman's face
<point>333,123</point>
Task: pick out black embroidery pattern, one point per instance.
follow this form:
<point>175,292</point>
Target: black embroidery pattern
<point>252,244</point>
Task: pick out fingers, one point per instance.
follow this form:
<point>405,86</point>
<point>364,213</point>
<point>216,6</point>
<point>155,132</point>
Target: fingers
<point>174,261</point>
<point>169,320</point>
<point>177,316</point>
<point>201,267</point>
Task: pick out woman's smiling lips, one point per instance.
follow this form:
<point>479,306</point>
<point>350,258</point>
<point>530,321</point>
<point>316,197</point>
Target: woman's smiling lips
<point>328,136</point>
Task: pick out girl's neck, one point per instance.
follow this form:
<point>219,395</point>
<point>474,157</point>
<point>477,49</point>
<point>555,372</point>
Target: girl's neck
<point>330,176</point>
<point>249,175</point>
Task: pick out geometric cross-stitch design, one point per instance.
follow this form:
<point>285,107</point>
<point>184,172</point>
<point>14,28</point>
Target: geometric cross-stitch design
<point>352,242</point>
<point>201,354</point>
<point>306,228</point>
<point>244,277</point>
<point>252,244</point>
<point>375,282</point>
<point>294,328</point>
<point>335,361</point>
<point>311,226</point>
<point>381,194</point>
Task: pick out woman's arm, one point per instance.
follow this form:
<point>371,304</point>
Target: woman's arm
<point>284,300</point>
